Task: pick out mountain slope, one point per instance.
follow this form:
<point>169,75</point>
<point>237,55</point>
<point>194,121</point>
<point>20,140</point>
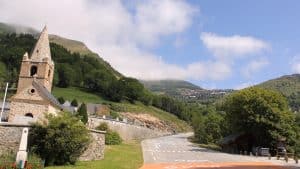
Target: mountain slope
<point>72,45</point>
<point>168,85</point>
<point>186,91</point>
<point>289,86</point>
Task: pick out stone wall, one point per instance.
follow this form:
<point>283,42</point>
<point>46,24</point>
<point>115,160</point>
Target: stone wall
<point>127,131</point>
<point>10,136</point>
<point>95,151</point>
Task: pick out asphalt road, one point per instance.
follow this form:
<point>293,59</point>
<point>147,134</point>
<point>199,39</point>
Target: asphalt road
<point>177,150</point>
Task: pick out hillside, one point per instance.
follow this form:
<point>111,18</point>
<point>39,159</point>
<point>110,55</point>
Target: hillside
<point>136,108</point>
<point>85,77</point>
<point>186,91</point>
<point>289,86</point>
<point>72,45</point>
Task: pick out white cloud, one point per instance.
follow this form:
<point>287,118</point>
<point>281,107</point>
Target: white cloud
<point>116,32</point>
<point>244,85</point>
<point>295,64</point>
<point>156,18</point>
<point>254,67</point>
<point>230,47</point>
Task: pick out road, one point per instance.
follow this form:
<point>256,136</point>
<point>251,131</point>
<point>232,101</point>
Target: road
<point>176,152</point>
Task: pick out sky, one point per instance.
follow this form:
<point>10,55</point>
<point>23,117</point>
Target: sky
<point>211,43</point>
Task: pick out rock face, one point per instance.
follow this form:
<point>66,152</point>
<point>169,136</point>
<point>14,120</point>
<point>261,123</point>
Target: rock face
<point>148,121</point>
<point>95,151</point>
<point>10,136</point>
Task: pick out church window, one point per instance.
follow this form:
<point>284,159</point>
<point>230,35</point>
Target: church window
<point>49,73</point>
<point>33,70</point>
<point>29,115</point>
<point>32,91</point>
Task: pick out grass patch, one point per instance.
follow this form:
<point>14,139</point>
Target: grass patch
<point>76,93</point>
<point>124,156</point>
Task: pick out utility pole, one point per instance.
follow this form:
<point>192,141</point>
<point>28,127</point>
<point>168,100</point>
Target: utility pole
<point>3,104</point>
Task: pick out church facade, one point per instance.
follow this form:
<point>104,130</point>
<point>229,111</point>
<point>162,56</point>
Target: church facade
<point>33,98</point>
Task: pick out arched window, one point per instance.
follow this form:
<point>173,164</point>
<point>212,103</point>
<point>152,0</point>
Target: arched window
<point>29,115</point>
<point>33,70</point>
<point>49,73</point>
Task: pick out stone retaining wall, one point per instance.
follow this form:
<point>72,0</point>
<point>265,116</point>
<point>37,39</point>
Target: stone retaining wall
<point>95,151</point>
<point>10,137</point>
<point>127,131</point>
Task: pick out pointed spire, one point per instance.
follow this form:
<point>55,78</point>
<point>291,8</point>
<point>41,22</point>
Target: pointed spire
<point>41,49</point>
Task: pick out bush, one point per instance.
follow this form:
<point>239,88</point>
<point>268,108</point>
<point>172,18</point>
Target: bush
<point>82,113</point>
<point>112,138</point>
<point>61,141</point>
<point>114,114</point>
<point>74,103</point>
<point>61,100</point>
<point>103,127</point>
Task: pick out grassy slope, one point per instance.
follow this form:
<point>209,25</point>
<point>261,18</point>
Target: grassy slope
<point>125,156</point>
<point>82,96</point>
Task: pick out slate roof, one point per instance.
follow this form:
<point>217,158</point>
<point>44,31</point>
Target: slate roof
<point>47,94</point>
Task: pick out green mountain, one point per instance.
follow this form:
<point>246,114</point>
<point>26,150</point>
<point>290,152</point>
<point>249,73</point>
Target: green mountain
<point>289,86</point>
<point>81,74</point>
<point>186,91</point>
<point>71,45</point>
<point>168,85</point>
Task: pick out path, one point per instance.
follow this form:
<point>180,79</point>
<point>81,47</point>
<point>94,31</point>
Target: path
<point>176,152</point>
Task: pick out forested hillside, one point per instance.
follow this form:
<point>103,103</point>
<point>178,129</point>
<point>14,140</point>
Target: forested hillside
<point>186,91</point>
<point>289,86</point>
<point>85,72</point>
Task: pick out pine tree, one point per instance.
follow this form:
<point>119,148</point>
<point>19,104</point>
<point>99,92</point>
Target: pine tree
<point>74,103</point>
<point>82,113</point>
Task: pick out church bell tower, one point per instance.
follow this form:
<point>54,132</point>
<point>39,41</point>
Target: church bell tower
<point>38,65</point>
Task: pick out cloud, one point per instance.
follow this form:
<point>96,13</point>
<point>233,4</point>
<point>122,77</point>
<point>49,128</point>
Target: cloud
<point>230,47</point>
<point>123,34</point>
<point>244,85</point>
<point>295,64</point>
<point>254,67</point>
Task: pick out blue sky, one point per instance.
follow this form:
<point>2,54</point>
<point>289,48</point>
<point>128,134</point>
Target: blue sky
<point>212,43</point>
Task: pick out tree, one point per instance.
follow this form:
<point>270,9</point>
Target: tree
<point>61,100</point>
<point>262,113</point>
<point>62,140</point>
<point>74,103</point>
<point>82,113</point>
<point>65,76</point>
<point>208,128</point>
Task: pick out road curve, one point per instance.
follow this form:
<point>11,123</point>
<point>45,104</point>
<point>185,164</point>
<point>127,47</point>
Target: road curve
<point>176,152</point>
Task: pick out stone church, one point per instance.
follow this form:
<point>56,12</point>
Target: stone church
<point>33,98</point>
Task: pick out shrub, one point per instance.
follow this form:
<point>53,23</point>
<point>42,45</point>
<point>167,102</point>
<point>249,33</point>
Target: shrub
<point>114,114</point>
<point>103,127</point>
<point>112,138</point>
<point>61,141</point>
<point>74,103</point>
<point>61,100</point>
<point>82,113</point>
